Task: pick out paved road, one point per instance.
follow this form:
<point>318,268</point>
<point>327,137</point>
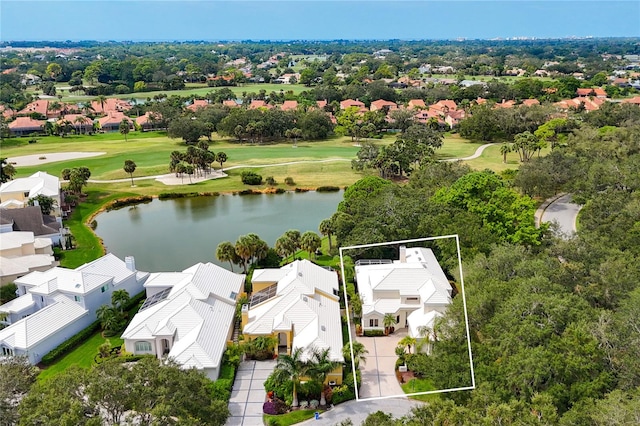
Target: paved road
<point>475,155</point>
<point>564,213</point>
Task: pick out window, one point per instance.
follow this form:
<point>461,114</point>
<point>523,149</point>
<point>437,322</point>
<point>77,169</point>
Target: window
<point>373,322</point>
<point>398,319</point>
<point>7,351</point>
<point>143,347</point>
<point>77,298</point>
<point>104,288</point>
<point>335,292</point>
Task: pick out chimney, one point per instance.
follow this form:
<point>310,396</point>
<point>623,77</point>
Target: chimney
<point>403,254</point>
<point>131,263</point>
<point>245,316</point>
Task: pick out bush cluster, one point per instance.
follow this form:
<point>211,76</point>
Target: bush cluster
<point>169,195</point>
<point>328,188</point>
<point>289,181</point>
<point>70,344</point>
<point>301,190</point>
<point>251,178</point>
<point>123,202</point>
<point>373,333</point>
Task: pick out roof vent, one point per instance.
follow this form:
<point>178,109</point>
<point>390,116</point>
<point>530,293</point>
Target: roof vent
<point>77,285</point>
<point>305,298</point>
<point>299,274</point>
<point>323,328</point>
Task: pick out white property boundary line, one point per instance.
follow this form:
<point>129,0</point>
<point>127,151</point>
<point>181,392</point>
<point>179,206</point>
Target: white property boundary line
<point>464,304</point>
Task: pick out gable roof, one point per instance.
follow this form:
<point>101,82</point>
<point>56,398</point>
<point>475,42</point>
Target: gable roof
<point>416,103</point>
<point>26,123</point>
<point>350,103</point>
<point>305,303</point>
<point>113,118</point>
<point>289,105</point>
<point>41,106</point>
<point>197,312</point>
<point>32,329</point>
<point>39,183</point>
<point>29,219</point>
<point>110,104</point>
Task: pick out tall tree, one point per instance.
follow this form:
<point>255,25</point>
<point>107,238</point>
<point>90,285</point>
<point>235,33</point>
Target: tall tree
<point>326,228</point>
<point>310,241</point>
<point>7,171</point>
<point>17,375</point>
<point>221,158</point>
<point>320,365</point>
<point>226,252</point>
<point>124,128</point>
<point>130,167</point>
<point>293,368</point>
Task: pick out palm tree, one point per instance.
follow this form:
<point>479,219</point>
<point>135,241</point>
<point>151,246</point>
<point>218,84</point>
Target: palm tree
<point>221,158</point>
<point>407,342</point>
<point>108,317</point>
<point>310,241</point>
<point>320,365</point>
<point>359,352</point>
<point>291,367</point>
<point>124,128</point>
<point>119,298</point>
<point>102,99</point>
<point>505,148</point>
<point>79,120</point>
<point>243,250</point>
<point>130,167</point>
<point>225,252</point>
<point>388,321</point>
<point>326,228</point>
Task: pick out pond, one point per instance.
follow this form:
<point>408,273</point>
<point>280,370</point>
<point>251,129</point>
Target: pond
<point>171,235</point>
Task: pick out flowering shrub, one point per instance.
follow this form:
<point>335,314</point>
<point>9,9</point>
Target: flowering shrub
<point>274,407</point>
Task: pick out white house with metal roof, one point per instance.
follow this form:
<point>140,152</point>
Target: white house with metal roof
<point>299,305</point>
<point>413,289</point>
<point>188,316</point>
<point>17,192</point>
<point>56,304</point>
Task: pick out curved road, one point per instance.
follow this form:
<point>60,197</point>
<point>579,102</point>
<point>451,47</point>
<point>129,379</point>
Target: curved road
<point>562,211</point>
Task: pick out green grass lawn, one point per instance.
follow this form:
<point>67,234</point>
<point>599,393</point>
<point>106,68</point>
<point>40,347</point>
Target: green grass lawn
<point>417,386</point>
<point>196,89</point>
<point>82,356</point>
<point>289,418</point>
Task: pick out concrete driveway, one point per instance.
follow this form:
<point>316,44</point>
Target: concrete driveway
<point>248,393</point>
<point>562,211</point>
<point>378,374</point>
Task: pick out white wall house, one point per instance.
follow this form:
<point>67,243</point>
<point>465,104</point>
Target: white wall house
<point>188,316</point>
<point>299,305</point>
<point>21,253</point>
<point>17,192</point>
<point>413,289</point>
<point>56,304</point>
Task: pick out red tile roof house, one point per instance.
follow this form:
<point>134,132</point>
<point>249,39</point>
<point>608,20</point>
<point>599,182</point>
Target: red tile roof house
<point>40,106</point>
<point>80,123</point>
<point>147,122</point>
<point>22,126</point>
<point>597,92</point>
<point>382,105</point>
<point>110,104</point>
<point>6,111</point>
<point>321,104</point>
<point>530,102</point>
<point>111,121</point>
<point>231,103</point>
<point>289,105</point>
<point>505,104</point>
<point>350,103</point>
<point>198,103</point>
<point>257,103</point>
<point>445,105</point>
<point>590,104</point>
<point>634,100</point>
<point>416,103</point>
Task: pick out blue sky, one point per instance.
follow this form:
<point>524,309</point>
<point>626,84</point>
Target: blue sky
<point>314,20</point>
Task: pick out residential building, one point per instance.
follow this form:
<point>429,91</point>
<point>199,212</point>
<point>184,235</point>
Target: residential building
<point>289,106</point>
<point>111,121</point>
<point>298,304</point>
<point>347,103</point>
<point>56,304</point>
<point>382,105</point>
<point>23,126</point>
<point>31,219</point>
<point>198,103</point>
<point>21,252</point>
<point>81,123</point>
<point>188,316</point>
<point>41,106</point>
<point>17,192</point>
<point>110,105</point>
<point>413,289</point>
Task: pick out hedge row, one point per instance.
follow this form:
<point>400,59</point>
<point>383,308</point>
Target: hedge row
<point>168,195</point>
<point>373,333</point>
<point>328,189</point>
<point>118,204</point>
<point>70,344</point>
<point>86,333</point>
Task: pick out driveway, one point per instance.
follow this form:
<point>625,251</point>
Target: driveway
<point>378,373</point>
<point>358,411</point>
<point>248,393</point>
<point>562,211</point>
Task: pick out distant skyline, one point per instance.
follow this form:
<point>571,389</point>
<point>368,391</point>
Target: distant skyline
<point>213,20</point>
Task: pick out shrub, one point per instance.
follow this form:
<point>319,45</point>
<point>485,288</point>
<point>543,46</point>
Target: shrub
<point>374,333</point>
<point>220,389</point>
<point>270,181</point>
<point>248,192</point>
<point>314,404</point>
<point>123,202</point>
<point>280,190</point>
<point>251,178</point>
<point>289,181</point>
<point>302,190</point>
<point>70,344</point>
<point>328,189</point>
<point>274,407</point>
<point>304,404</point>
<point>169,195</point>
<point>343,393</point>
